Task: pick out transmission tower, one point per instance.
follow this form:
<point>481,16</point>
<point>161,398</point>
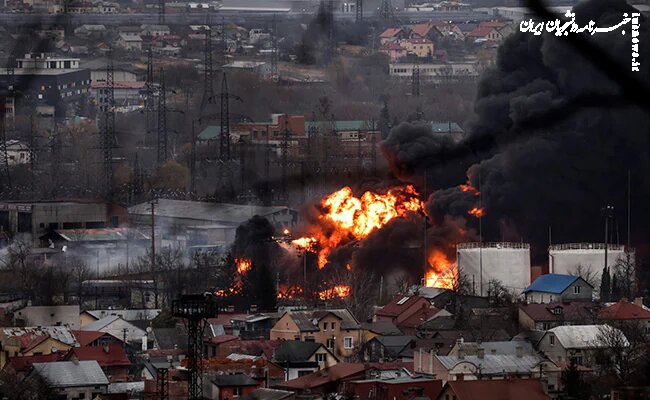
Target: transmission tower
<point>108,127</point>
<point>161,145</point>
<point>150,99</point>
<point>162,382</point>
<point>331,40</point>
<point>223,42</point>
<point>138,181</point>
<point>359,11</point>
<point>386,11</point>
<point>284,148</point>
<point>224,135</point>
<point>161,11</point>
<point>415,89</point>
<point>194,309</point>
<point>275,74</point>
<point>208,69</point>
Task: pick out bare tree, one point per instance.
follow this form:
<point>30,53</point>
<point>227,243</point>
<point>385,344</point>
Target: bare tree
<point>621,350</point>
<point>586,273</point>
<point>80,272</point>
<point>625,273</point>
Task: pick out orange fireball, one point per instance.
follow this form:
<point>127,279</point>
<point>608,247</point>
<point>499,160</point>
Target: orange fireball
<point>243,265</point>
<point>354,218</point>
<point>477,212</point>
<point>338,291</point>
<point>442,272</point>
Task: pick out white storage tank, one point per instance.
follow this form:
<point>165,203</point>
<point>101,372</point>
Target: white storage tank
<point>506,262</point>
<point>587,259</point>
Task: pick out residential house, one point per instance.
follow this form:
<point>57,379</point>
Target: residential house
<point>485,34</point>
<point>387,348</point>
<point>262,371</point>
<point>578,343</point>
<point>300,358</point>
<point>129,42</point>
<point>402,387</point>
<point>96,339</point>
<point>394,51</point>
<point>225,387</point>
<point>334,379</point>
<point>18,153</point>
<point>511,347</point>
<point>220,346</point>
<point>400,308</point>
<point>625,313</point>
<point>112,360</point>
<point>510,389</point>
<point>488,366</point>
<point>336,329</point>
<point>257,326</point>
<point>546,316</point>
<point>391,35</point>
<point>73,380</point>
<point>47,316</point>
<point>421,48</point>
<point>31,341</point>
<point>170,338</point>
<point>425,30</point>
<point>154,30</point>
<point>260,69</point>
<point>551,288</point>
<point>90,31</point>
<point>117,327</point>
<point>22,366</point>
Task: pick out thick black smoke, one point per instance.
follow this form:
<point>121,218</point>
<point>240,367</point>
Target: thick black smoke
<point>552,140</point>
<point>254,241</point>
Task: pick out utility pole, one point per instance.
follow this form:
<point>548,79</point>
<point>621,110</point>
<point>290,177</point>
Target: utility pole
<point>161,11</point>
<point>5,179</point>
<point>331,39</point>
<point>193,160</point>
<point>607,212</point>
<point>373,149</point>
<point>161,145</point>
<point>153,234</point>
<point>415,89</point>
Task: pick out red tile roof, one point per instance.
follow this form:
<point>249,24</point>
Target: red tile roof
<point>423,29</point>
<point>529,389</point>
<point>480,32</point>
<point>109,356</point>
<point>262,347</point>
<point>418,318</point>
<point>23,364</point>
<point>223,339</point>
<point>624,310</point>
<point>397,305</point>
<point>335,373</point>
<point>84,338</point>
<point>573,311</point>
<point>390,32</point>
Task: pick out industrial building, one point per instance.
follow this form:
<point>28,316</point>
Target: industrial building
<point>38,218</point>
<point>506,262</point>
<point>587,258</point>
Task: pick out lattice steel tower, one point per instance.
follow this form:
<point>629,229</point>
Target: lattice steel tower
<point>194,309</point>
<point>161,145</point>
<point>108,127</point>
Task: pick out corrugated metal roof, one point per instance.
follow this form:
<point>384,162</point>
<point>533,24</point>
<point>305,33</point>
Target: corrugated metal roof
<point>494,364</point>
<point>70,374</point>
<point>127,315</point>
<point>584,336</point>
<point>210,132</point>
<point>222,213</point>
<point>551,283</point>
<point>103,234</point>
<point>60,333</point>
<point>341,126</point>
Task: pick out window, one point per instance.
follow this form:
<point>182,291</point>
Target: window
<point>324,326</point>
<point>236,391</point>
<point>320,357</point>
<point>330,343</point>
<point>551,340</point>
<point>576,289</point>
<point>333,325</point>
<point>347,342</point>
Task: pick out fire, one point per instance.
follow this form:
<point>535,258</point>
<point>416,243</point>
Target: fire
<point>290,292</point>
<point>286,232</point>
<point>354,218</point>
<point>243,265</point>
<point>477,212</point>
<point>443,272</point>
<point>467,187</point>
<point>338,291</point>
<point>305,243</point>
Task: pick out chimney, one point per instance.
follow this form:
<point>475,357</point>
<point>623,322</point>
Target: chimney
<point>519,351</point>
<point>638,301</point>
<point>480,353</point>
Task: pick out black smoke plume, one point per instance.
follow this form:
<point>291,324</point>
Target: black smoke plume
<point>551,142</point>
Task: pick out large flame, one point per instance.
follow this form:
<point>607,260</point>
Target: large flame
<point>354,218</point>
<point>243,265</point>
<point>338,291</point>
<point>477,212</point>
<point>442,272</point>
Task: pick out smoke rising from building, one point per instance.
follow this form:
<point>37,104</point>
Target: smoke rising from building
<point>552,140</point>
